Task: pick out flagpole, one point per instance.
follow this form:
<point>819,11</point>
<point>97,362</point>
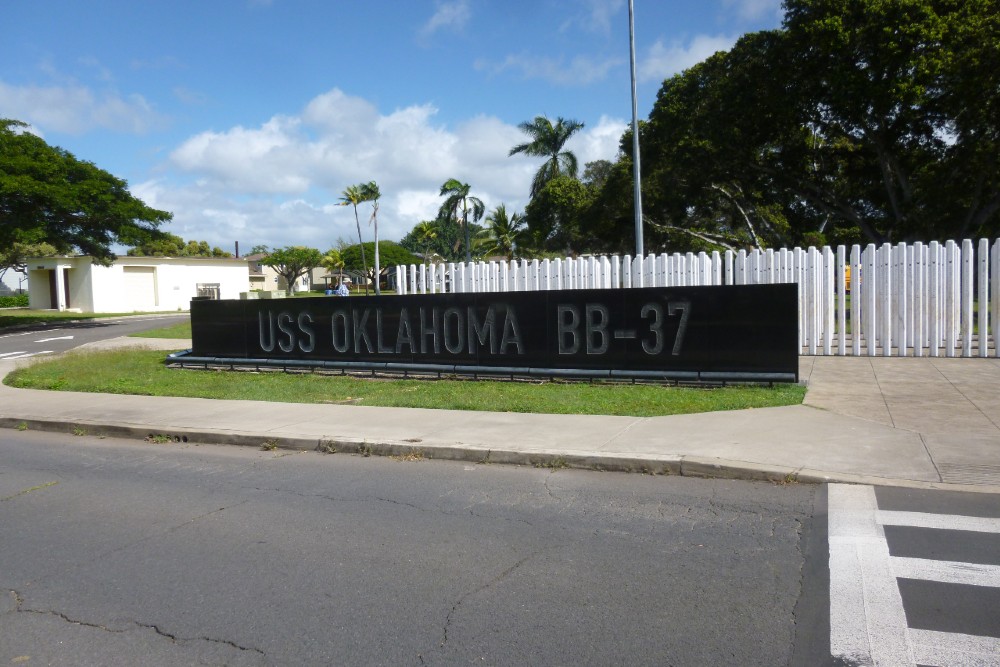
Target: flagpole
<point>635,137</point>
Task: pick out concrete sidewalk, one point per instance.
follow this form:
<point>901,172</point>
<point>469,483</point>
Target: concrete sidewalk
<point>911,422</point>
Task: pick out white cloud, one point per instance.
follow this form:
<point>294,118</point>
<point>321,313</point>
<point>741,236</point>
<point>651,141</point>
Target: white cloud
<point>663,61</point>
<point>102,73</point>
<point>279,183</point>
<point>451,15</point>
<point>595,15</point>
<point>599,142</point>
<point>205,212</point>
<point>255,160</point>
<point>580,71</point>
<point>75,109</point>
<point>750,10</point>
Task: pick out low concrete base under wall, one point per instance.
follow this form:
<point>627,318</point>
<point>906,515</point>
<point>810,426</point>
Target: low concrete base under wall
<point>186,360</point>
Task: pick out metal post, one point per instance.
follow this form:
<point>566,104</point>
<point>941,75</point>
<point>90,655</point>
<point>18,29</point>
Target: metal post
<point>635,137</point>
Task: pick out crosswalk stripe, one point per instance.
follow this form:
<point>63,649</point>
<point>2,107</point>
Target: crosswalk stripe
<point>938,521</point>
<point>949,572</point>
<point>955,649</point>
<point>868,623</point>
<point>867,620</point>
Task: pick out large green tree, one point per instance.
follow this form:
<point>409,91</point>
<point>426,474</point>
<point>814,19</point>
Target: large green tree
<point>49,196</point>
<point>293,262</point>
<point>912,87</point>
<point>172,245</point>
<point>547,141</point>
<point>557,214</point>
<point>458,200</point>
<point>857,119</point>
<point>424,235</point>
<point>392,253</point>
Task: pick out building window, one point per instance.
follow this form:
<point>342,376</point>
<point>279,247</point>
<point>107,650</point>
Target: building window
<point>211,290</point>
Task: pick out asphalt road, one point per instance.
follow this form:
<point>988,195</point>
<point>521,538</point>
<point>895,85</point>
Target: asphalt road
<point>53,338</point>
<point>120,552</point>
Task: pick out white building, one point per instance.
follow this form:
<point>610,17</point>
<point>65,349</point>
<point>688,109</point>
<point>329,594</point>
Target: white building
<point>132,284</point>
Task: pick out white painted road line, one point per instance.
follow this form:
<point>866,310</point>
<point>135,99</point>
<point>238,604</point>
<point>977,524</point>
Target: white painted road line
<point>955,650</point>
<point>938,521</point>
<point>28,333</point>
<point>22,355</point>
<point>973,574</point>
<point>47,340</point>
<point>867,620</point>
<point>10,354</point>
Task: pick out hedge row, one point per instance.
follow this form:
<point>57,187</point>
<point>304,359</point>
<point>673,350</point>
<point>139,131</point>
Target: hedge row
<point>16,301</point>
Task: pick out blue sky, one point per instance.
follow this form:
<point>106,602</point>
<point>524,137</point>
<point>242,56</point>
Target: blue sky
<point>247,118</point>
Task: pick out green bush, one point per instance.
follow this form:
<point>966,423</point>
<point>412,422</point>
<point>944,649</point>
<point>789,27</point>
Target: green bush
<point>16,301</point>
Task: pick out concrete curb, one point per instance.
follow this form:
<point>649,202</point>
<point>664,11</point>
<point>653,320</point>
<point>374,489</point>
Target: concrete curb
<point>684,466</point>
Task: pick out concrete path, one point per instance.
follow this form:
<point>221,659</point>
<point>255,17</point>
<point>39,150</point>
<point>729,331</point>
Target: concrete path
<point>896,421</point>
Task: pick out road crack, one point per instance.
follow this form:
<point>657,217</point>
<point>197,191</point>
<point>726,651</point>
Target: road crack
<point>171,529</point>
<point>479,589</point>
<point>549,489</point>
<point>20,608</point>
<point>27,491</point>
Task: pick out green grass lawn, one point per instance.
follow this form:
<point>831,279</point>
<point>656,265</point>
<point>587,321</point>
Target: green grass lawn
<point>143,372</point>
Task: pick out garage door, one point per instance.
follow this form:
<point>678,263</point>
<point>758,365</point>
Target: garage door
<point>140,288</point>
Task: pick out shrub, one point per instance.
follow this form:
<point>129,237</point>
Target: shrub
<point>16,301</point>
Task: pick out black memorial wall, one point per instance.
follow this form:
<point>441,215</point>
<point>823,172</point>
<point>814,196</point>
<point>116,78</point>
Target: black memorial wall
<point>711,332</point>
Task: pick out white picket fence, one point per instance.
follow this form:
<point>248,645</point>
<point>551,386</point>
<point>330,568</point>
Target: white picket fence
<point>935,299</point>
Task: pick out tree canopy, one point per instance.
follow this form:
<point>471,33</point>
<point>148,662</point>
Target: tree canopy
<point>504,234</point>
<point>458,200</point>
<point>15,255</point>
<point>172,245</point>
<point>391,253</point>
<point>292,263</point>
<point>438,237</point>
<point>548,140</point>
<point>858,119</point>
<point>333,262</point>
<point>49,196</point>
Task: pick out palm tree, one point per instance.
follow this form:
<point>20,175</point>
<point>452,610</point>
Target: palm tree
<point>424,234</point>
<point>547,140</point>
<point>332,261</point>
<point>371,193</point>
<point>458,197</point>
<point>502,232</point>
<point>353,196</point>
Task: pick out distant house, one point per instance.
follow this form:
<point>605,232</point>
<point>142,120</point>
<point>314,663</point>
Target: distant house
<point>326,279</point>
<point>266,279</point>
<point>132,284</point>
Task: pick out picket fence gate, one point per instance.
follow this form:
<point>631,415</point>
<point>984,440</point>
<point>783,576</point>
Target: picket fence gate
<point>934,299</point>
